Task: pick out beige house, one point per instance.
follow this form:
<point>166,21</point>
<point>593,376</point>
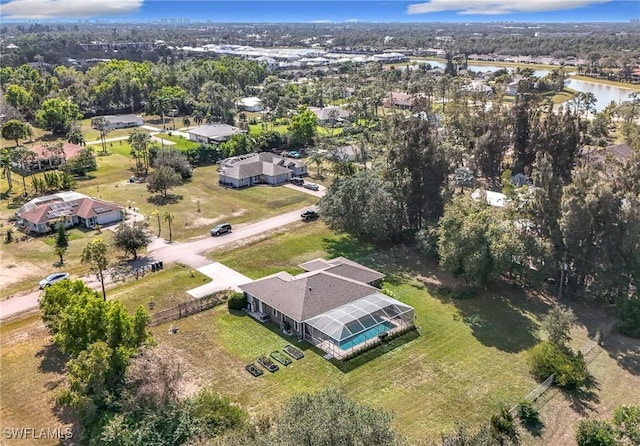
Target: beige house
<point>259,168</point>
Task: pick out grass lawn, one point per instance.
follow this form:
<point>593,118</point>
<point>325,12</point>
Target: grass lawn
<point>466,363</point>
<point>180,142</point>
<point>166,288</point>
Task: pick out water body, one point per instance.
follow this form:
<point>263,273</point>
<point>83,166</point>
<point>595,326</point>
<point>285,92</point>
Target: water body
<point>483,68</point>
<point>603,93</point>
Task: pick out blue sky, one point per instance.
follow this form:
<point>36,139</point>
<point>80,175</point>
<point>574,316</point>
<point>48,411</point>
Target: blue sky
<point>320,11</point>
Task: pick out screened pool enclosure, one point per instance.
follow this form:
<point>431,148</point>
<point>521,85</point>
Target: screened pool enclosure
<point>358,324</point>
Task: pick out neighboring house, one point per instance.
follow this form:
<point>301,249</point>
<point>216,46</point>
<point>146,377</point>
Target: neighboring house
<point>123,121</point>
<point>493,198</point>
<point>46,157</point>
<point>335,305</point>
<point>213,133</point>
<point>41,214</point>
<point>330,115</point>
<point>252,104</point>
<point>478,87</point>
<point>259,168</point>
<point>618,152</point>
<point>348,153</point>
<point>512,88</point>
<point>403,101</point>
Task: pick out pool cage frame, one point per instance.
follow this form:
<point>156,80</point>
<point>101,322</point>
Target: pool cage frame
<point>374,317</point>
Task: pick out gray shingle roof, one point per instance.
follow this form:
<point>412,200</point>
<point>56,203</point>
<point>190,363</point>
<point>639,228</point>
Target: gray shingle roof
<point>216,131</point>
<point>309,294</point>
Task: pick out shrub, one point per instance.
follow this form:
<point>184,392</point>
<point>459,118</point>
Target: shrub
<point>503,426</point>
<point>527,413</point>
<point>457,293</point>
<point>546,359</point>
<point>630,317</point>
<point>595,433</point>
<point>237,301</point>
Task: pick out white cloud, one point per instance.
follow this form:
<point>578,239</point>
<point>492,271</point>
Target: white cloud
<point>56,9</point>
<point>497,7</point>
<point>352,20</point>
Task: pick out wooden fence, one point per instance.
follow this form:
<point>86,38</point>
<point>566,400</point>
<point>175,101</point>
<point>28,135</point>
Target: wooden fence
<point>188,308</point>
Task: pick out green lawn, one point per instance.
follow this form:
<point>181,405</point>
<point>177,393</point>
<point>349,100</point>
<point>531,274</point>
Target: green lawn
<point>181,143</point>
<point>468,360</point>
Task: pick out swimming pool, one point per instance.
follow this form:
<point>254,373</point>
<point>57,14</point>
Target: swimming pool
<point>366,335</point>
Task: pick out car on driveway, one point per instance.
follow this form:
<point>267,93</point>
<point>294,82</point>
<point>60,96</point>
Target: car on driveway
<point>309,215</point>
<point>220,229</point>
<point>297,181</point>
<point>294,154</point>
<point>311,186</point>
<point>52,278</point>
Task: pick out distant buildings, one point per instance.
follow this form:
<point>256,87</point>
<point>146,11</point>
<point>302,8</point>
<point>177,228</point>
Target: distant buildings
<point>213,133</point>
<point>252,104</point>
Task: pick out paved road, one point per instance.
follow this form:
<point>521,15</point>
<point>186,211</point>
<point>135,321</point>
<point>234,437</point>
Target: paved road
<point>190,253</point>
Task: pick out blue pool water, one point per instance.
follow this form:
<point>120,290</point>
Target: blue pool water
<point>366,335</point>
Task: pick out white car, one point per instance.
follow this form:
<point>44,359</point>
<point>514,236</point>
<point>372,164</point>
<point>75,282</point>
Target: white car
<point>53,278</point>
<point>311,186</point>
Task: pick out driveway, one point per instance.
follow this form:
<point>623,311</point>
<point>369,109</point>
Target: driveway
<point>223,278</point>
<point>316,193</point>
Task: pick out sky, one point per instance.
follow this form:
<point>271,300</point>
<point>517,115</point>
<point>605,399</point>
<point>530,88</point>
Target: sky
<point>349,11</point>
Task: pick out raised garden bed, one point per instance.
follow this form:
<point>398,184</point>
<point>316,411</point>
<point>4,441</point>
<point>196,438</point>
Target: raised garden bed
<point>254,370</point>
<point>267,364</point>
<point>293,352</point>
<point>282,359</point>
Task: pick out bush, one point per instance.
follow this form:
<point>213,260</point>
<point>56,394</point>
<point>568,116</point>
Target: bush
<point>546,359</point>
<point>457,293</point>
<point>595,433</point>
<point>527,413</point>
<point>503,427</point>
<point>630,317</point>
<point>237,301</point>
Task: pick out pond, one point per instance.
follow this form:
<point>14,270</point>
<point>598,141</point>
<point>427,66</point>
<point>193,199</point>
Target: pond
<point>483,68</point>
<point>603,93</point>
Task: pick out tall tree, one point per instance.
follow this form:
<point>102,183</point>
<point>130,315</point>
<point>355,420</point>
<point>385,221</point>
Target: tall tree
<point>15,130</point>
<point>139,142</point>
<point>95,254</point>
<point>103,126</point>
<point>162,179</point>
<point>169,217</point>
<point>57,115</point>
<point>62,241</point>
<point>131,238</point>
<point>303,127</point>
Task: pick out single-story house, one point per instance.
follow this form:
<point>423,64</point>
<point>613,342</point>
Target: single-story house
<point>348,153</point>
<point>48,156</point>
<point>43,213</point>
<point>330,115</point>
<point>259,168</point>
<point>403,101</point>
<point>123,121</point>
<point>493,198</point>
<point>334,305</point>
<point>252,104</point>
<point>213,133</point>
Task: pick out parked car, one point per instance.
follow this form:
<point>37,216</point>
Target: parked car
<point>294,154</point>
<point>297,181</point>
<point>52,278</point>
<point>311,186</point>
<point>309,215</point>
<point>220,229</point>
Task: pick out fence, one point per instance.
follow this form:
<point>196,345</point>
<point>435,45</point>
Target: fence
<point>188,308</point>
<point>544,386</point>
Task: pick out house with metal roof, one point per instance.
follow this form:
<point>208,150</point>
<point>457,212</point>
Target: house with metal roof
<point>213,133</point>
<point>42,214</point>
<point>123,121</point>
<point>334,305</point>
<point>259,168</point>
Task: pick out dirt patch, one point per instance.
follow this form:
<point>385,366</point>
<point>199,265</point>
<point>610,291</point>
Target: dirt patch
<point>11,273</point>
<point>201,221</point>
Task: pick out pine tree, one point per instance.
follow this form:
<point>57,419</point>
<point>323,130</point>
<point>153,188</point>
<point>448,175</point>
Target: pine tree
<point>62,242</point>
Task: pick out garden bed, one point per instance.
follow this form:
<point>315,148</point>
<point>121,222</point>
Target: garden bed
<point>293,352</point>
<point>254,370</point>
<point>267,364</point>
<point>282,359</point>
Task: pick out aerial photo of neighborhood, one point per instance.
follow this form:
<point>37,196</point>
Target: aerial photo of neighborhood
<point>320,223</point>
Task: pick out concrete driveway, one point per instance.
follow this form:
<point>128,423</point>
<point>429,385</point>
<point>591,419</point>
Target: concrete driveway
<point>223,278</point>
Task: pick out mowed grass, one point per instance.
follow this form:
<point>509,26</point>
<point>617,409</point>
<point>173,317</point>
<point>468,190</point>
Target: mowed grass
<point>166,288</point>
<point>468,361</point>
<point>181,142</point>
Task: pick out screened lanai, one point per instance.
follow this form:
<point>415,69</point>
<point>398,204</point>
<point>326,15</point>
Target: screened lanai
<point>356,325</point>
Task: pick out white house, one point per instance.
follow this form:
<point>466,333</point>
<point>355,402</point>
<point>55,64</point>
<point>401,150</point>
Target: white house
<point>259,168</point>
<point>123,121</point>
<point>41,214</point>
<point>213,133</point>
<point>252,104</point>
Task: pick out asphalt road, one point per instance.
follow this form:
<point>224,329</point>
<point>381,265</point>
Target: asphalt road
<point>190,253</point>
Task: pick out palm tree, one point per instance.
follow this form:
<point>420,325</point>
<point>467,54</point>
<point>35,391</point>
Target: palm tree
<point>198,117</point>
<point>169,219</point>
<point>317,158</point>
<point>186,122</point>
<point>156,213</point>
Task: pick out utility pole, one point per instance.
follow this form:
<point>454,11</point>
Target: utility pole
<point>563,269</point>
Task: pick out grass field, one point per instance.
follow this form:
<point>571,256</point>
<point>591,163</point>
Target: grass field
<point>181,143</point>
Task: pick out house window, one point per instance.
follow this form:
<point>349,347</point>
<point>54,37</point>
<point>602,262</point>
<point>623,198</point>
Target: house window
<point>275,312</point>
<point>296,326</point>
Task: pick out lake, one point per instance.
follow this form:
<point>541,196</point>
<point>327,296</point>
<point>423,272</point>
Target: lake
<point>483,68</point>
<point>603,93</point>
